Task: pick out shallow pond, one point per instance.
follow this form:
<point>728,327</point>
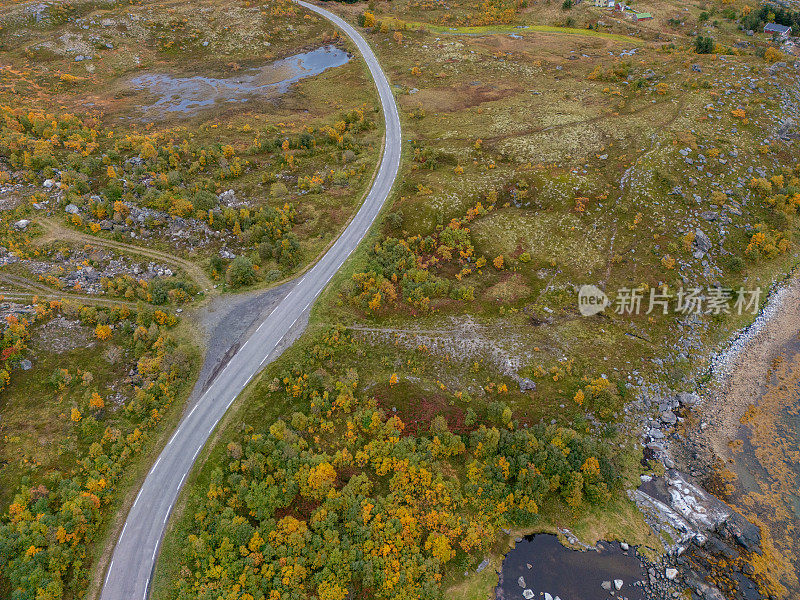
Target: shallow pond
<point>547,567</point>
<point>186,96</point>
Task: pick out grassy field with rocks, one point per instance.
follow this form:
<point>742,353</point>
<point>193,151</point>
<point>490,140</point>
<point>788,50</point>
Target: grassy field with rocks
<point>548,148</point>
<point>448,395</point>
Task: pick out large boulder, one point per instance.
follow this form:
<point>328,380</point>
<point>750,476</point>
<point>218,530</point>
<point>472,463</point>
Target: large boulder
<point>701,242</point>
<point>227,197</point>
<point>687,399</point>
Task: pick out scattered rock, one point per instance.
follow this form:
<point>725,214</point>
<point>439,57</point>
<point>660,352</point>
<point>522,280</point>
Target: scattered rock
<point>688,399</point>
<point>701,244</point>
<point>668,417</point>
<point>671,573</point>
<point>747,535</point>
<point>701,241</point>
<point>618,584</point>
<point>227,197</point>
<point>72,209</point>
<point>774,68</point>
<point>22,224</point>
<point>135,161</point>
<point>521,582</point>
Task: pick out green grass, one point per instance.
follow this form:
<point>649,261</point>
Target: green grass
<point>397,23</point>
<point>39,438</point>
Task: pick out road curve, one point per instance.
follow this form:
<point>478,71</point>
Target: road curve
<point>131,567</point>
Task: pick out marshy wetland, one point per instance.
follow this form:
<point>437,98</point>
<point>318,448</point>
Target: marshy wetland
<point>175,96</point>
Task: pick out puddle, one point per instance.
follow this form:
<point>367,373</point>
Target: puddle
<point>569,574</point>
<point>186,96</point>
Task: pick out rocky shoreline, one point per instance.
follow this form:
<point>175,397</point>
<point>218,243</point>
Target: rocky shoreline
<point>710,546</point>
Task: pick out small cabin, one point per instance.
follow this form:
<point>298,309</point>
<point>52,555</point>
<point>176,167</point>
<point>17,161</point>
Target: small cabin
<point>781,31</point>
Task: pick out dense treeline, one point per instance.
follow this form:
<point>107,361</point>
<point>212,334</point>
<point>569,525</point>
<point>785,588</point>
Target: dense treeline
<point>780,195</point>
<point>341,500</point>
<point>771,14</point>
<point>45,536</point>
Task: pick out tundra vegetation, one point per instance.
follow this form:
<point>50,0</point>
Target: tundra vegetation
<point>578,148</point>
<point>74,424</point>
<point>447,388</point>
<point>271,178</point>
<point>111,218</point>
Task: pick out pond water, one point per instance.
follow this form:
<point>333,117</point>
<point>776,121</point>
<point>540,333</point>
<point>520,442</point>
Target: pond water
<point>186,96</point>
<point>547,567</point>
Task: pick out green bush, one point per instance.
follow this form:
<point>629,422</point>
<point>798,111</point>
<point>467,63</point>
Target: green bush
<point>735,264</point>
<point>204,200</point>
<point>240,272</point>
<point>704,44</point>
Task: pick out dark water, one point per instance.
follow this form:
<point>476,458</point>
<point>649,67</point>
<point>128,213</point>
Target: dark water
<point>186,96</point>
<point>569,574</point>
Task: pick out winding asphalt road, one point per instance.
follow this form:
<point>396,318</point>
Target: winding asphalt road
<point>128,576</point>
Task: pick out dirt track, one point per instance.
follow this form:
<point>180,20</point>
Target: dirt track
<point>56,231</point>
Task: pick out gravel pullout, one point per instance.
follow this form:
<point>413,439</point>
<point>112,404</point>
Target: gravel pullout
<point>227,321</point>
